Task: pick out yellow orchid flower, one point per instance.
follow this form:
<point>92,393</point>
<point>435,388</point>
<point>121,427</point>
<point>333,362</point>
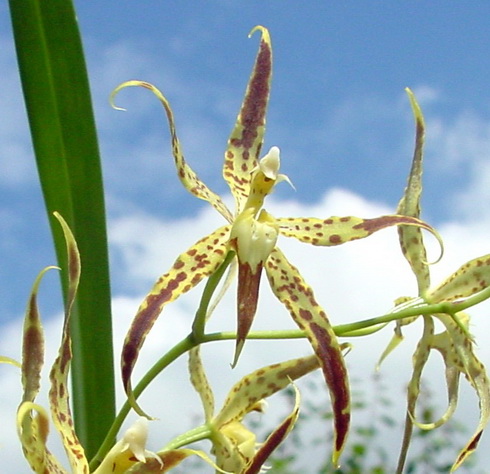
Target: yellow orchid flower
<point>455,344</point>
<point>251,234</point>
<point>33,420</point>
<point>234,445</point>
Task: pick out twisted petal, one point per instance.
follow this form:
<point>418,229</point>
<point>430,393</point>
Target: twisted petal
<point>420,358</point>
<point>458,354</point>
<point>246,138</point>
<point>469,279</point>
<point>291,289</point>
<point>338,230</point>
<point>200,261</point>
<point>58,394</point>
<point>33,429</point>
<point>186,174</point>
<point>33,433</point>
<point>411,239</point>
<point>200,382</point>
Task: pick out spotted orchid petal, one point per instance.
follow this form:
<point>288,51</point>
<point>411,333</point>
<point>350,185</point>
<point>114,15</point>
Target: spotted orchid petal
<point>291,289</point>
<point>420,358</point>
<point>32,419</point>
<point>468,280</point>
<point>200,382</point>
<point>411,239</point>
<point>261,384</point>
<point>33,433</point>
<point>247,136</point>
<point>186,174</point>
<point>58,394</point>
<point>339,230</point>
<point>200,261</point>
<point>233,444</point>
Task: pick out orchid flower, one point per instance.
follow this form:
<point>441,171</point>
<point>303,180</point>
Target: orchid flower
<point>234,445</point>
<point>251,233</point>
<point>455,344</point>
<point>33,419</point>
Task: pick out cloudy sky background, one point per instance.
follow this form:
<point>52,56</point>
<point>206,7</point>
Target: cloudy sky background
<point>338,112</point>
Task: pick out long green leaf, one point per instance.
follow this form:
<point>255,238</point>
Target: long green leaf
<point>57,95</point>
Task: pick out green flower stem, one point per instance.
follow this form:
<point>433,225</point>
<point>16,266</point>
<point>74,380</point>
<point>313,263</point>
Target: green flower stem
<point>191,436</point>
<point>211,285</point>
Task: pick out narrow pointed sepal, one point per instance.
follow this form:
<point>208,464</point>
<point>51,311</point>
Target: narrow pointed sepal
<point>59,392</point>
<point>200,261</point>
<point>411,238</point>
<point>339,230</point>
<point>247,136</point>
<point>291,289</point>
<point>253,239</point>
<point>247,300</point>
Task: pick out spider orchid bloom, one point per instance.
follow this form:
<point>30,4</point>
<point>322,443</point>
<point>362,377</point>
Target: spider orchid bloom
<point>251,233</point>
<point>455,343</point>
<point>33,420</point>
<point>234,445</point>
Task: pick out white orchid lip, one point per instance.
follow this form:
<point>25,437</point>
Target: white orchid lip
<point>255,238</point>
<point>270,163</point>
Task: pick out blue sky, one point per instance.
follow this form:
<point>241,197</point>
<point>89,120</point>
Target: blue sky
<point>338,112</point>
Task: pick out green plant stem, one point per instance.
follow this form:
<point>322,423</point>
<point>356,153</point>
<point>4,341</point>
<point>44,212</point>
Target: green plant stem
<point>195,434</point>
<point>202,312</point>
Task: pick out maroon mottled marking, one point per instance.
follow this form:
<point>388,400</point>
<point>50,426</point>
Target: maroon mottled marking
<point>247,298</point>
<point>178,264</point>
<point>272,442</point>
<point>328,221</point>
<point>470,448</point>
<point>335,374</point>
<point>378,223</point>
<point>142,323</point>
<point>74,260</point>
<point>305,315</point>
<point>252,114</point>
<point>66,353</point>
<point>335,239</point>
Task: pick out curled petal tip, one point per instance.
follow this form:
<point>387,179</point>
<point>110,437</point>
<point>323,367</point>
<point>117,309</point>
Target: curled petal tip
<point>263,30</point>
